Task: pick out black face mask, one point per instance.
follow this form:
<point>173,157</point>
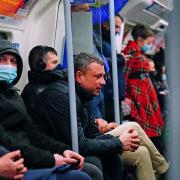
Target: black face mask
<point>153,74</point>
<point>106,35</point>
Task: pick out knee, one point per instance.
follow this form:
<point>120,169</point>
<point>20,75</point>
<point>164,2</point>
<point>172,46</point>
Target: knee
<point>93,171</point>
<point>94,160</point>
<point>135,125</point>
<point>142,154</point>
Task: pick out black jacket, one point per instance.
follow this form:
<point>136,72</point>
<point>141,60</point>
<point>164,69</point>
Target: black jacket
<point>17,131</point>
<point>52,111</point>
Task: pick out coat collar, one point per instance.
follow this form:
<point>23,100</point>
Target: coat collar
<point>46,77</point>
<point>84,95</point>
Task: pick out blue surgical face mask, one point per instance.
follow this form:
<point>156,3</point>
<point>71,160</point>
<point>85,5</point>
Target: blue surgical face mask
<point>8,73</point>
<point>146,47</point>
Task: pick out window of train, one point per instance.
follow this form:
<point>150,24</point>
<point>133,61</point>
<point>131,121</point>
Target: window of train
<point>5,35</point>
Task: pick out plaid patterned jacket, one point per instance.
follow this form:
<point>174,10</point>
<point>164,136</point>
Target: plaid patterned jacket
<point>139,88</point>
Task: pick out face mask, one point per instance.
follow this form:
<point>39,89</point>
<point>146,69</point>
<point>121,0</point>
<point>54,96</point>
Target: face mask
<point>146,47</point>
<point>118,39</point>
<point>8,73</point>
<point>163,77</point>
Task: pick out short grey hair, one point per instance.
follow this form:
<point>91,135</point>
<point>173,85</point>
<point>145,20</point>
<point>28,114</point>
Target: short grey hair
<point>82,60</point>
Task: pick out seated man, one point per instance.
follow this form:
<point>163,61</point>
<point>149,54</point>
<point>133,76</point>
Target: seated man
<point>17,131</point>
<point>12,167</point>
<point>53,113</point>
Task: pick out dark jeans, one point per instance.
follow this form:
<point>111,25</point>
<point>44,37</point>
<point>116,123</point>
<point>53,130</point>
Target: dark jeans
<point>73,175</point>
<point>63,172</point>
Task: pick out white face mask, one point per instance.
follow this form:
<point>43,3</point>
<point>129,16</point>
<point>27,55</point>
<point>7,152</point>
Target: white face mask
<point>164,77</point>
<point>118,43</point>
<point>119,39</point>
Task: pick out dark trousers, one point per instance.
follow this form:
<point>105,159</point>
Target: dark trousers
<point>94,160</point>
<point>93,171</point>
<point>112,168</point>
<point>160,145</point>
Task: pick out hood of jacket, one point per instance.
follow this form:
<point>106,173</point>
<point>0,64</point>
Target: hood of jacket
<point>47,77</point>
<point>7,47</point>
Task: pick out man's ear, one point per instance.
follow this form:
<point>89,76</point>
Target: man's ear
<point>78,76</point>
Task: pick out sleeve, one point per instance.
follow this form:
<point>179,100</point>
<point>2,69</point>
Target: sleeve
<point>106,47</point>
<point>98,144</point>
<point>101,14</point>
<point>57,107</point>
<point>33,156</point>
<point>3,151</point>
<point>43,141</point>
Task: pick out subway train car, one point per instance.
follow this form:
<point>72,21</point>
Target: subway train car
<point>70,30</point>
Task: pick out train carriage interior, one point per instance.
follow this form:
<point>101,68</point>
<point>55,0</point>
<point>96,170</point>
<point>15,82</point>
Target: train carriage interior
<point>28,23</point>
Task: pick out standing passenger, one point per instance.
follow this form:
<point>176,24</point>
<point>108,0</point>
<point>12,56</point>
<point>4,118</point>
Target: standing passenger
<point>145,107</point>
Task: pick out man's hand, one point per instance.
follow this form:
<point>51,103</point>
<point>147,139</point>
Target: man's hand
<point>102,125</point>
<point>73,155</point>
<point>60,160</point>
<point>69,157</point>
<point>10,167</point>
<point>112,125</point>
<point>130,140</point>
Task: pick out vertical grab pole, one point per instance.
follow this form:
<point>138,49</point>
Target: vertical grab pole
<point>71,79</point>
<point>114,63</point>
<point>173,64</point>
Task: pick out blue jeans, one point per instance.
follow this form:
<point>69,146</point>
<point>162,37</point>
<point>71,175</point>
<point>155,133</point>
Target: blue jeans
<point>57,173</point>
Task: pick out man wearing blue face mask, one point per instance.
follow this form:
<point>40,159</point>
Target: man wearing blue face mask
<point>8,68</point>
